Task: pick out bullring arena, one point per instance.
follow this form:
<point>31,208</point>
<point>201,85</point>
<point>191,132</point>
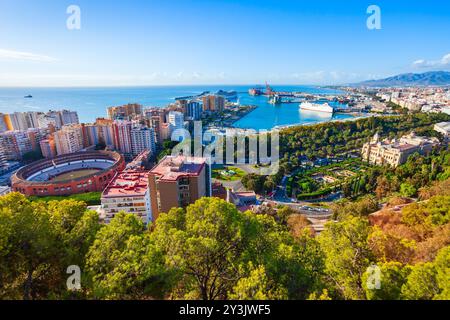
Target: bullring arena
<point>74,173</point>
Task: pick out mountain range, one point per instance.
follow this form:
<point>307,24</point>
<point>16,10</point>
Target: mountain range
<point>432,78</point>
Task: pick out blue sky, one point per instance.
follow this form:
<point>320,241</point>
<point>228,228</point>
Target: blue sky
<point>218,42</point>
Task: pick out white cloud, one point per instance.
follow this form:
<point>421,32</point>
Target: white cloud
<point>24,56</point>
<point>444,62</point>
<point>446,59</point>
<point>155,78</point>
<point>326,77</point>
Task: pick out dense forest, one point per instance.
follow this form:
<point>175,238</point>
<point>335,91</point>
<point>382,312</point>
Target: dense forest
<point>213,251</point>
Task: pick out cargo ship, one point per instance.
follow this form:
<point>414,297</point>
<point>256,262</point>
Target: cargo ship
<point>255,92</point>
<point>317,107</point>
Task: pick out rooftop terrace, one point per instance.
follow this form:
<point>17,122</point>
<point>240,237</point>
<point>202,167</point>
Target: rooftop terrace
<point>172,168</point>
<point>127,183</point>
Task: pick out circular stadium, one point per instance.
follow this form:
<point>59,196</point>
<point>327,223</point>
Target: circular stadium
<point>68,174</point>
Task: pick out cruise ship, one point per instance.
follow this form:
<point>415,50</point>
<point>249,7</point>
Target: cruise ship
<point>229,95</point>
<point>317,107</point>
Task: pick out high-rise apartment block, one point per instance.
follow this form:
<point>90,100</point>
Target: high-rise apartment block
<point>69,139</point>
<point>142,138</point>
<point>122,136</point>
<point>48,148</point>
<point>194,110</point>
<point>176,124</point>
<point>15,144</point>
<point>125,112</point>
<point>213,103</point>
<point>177,182</point>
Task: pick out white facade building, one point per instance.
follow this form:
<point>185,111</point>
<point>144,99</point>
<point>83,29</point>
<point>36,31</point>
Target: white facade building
<point>176,124</point>
<point>142,138</point>
<point>128,192</point>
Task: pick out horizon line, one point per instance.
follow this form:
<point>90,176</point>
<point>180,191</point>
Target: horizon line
<point>169,85</point>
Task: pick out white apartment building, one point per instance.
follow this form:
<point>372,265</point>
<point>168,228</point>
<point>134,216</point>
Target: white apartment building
<point>128,192</point>
<point>45,120</point>
<point>69,117</point>
<point>176,124</point>
<point>142,138</point>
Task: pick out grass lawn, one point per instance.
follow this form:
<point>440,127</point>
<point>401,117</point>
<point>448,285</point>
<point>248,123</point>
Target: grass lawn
<point>228,174</point>
<point>91,198</point>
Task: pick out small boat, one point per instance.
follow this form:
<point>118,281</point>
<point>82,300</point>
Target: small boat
<point>28,96</point>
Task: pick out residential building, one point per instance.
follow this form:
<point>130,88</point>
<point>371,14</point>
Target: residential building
<point>125,112</point>
<point>183,105</point>
<point>177,182</point>
<point>4,190</point>
<point>36,136</point>
<point>48,121</point>
<point>242,200</point>
<point>165,132</point>
<point>176,123</point>
<point>55,119</point>
<point>18,121</point>
<point>69,139</point>
<point>155,123</point>
<point>122,137</point>
<point>128,192</point>
<point>142,138</point>
<point>91,134</point>
<point>8,146</point>
<point>194,110</point>
<point>15,144</point>
<point>156,118</point>
<point>48,148</point>
<point>106,132</point>
<point>213,103</point>
<point>69,117</point>
<point>32,119</point>
<point>3,123</point>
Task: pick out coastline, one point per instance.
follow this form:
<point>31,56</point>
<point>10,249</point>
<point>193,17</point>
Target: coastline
<point>354,118</point>
<point>92,102</point>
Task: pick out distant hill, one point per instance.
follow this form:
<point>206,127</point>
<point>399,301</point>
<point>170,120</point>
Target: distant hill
<point>433,78</point>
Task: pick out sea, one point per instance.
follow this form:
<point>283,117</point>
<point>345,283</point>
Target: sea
<point>91,103</point>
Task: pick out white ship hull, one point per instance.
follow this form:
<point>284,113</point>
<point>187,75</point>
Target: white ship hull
<point>325,108</point>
